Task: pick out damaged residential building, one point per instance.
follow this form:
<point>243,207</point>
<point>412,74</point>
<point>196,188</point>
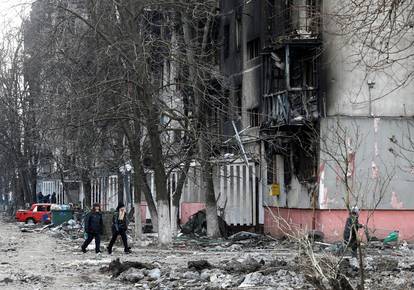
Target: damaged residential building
<point>299,101</point>
<point>315,134</point>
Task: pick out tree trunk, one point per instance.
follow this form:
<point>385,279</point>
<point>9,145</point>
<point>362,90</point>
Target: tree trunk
<point>150,201</point>
<point>135,156</point>
<point>18,192</point>
<point>201,105</point>
<point>177,195</point>
<point>213,229</point>
<point>33,185</point>
<point>164,226</point>
<point>174,219</point>
<point>163,209</point>
<point>86,189</point>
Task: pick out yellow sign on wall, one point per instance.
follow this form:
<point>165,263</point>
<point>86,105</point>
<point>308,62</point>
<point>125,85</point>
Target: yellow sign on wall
<point>275,189</point>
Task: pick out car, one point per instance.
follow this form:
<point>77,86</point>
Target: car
<point>38,212</point>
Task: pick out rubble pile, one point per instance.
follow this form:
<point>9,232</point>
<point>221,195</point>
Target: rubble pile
<point>259,269</point>
<point>23,278</point>
<point>243,272</point>
<point>244,260</point>
<point>70,230</point>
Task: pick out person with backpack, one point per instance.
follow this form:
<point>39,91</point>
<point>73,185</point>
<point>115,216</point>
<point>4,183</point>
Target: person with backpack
<point>93,228</point>
<point>119,227</point>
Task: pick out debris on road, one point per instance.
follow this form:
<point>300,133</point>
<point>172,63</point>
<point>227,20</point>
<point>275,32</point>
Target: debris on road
<point>197,225</point>
<point>245,260</point>
<point>116,267</point>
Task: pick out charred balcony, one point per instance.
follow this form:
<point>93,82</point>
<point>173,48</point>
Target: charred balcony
<point>291,107</point>
<point>296,20</point>
<point>291,86</point>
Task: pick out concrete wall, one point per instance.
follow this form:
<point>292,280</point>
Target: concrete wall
<point>243,73</point>
<point>293,195</point>
<point>331,222</point>
<point>369,140</point>
<point>346,80</point>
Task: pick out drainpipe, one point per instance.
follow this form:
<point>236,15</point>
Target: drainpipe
<point>371,85</point>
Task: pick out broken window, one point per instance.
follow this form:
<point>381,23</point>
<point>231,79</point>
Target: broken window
<point>303,68</point>
<point>253,48</point>
<point>304,157</point>
<point>272,170</point>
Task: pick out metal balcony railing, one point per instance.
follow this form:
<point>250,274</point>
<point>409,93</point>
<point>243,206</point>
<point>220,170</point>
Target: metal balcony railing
<point>291,107</point>
<point>302,21</point>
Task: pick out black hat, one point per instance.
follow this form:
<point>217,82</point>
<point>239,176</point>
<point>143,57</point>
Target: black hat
<point>120,205</point>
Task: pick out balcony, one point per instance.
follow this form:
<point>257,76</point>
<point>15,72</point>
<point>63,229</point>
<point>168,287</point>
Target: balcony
<point>294,107</point>
<point>300,21</point>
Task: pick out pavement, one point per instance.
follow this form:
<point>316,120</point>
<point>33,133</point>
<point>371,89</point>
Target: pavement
<point>38,257</point>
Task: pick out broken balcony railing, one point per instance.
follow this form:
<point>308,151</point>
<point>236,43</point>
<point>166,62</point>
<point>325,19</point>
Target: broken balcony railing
<point>302,19</point>
<point>291,107</point>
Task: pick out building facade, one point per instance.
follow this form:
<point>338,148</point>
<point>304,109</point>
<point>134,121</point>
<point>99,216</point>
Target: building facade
<point>322,131</point>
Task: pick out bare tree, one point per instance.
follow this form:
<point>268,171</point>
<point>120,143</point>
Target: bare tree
<point>341,149</point>
<point>379,34</point>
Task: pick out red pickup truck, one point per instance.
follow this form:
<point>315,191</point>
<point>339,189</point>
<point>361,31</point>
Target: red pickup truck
<point>38,212</point>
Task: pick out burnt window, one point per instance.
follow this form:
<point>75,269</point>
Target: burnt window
<point>254,117</point>
<point>272,170</point>
<point>303,68</point>
<point>253,48</point>
<point>226,44</point>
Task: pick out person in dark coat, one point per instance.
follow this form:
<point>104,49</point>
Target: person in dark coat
<point>119,227</point>
<point>53,198</point>
<point>352,226</point>
<point>39,197</point>
<point>93,228</point>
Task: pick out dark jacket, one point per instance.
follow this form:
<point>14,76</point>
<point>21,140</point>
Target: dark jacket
<point>94,223</point>
<point>352,226</point>
<point>119,225</point>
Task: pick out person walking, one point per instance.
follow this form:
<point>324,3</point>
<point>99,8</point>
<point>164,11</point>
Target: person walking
<point>352,226</point>
<point>93,228</point>
<point>119,227</point>
<point>39,197</point>
<point>53,198</point>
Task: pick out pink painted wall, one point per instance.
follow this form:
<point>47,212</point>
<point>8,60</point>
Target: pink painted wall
<point>188,209</point>
<point>331,222</point>
<point>297,219</point>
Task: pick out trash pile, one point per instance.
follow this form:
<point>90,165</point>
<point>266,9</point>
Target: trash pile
<point>237,242</point>
<point>68,230</point>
